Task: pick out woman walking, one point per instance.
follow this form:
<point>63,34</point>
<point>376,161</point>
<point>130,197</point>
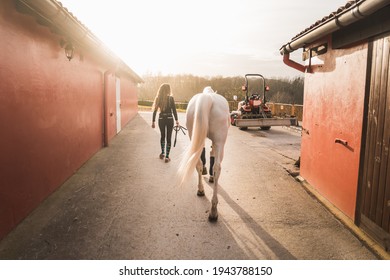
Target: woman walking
<point>166,104</point>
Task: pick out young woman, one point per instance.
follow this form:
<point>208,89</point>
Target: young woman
<point>165,103</point>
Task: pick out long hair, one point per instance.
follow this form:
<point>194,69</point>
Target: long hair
<point>162,97</point>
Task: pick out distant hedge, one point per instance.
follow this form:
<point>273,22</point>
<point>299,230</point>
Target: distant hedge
<point>148,103</point>
<point>145,103</point>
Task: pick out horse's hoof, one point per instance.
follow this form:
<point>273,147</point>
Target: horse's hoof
<point>213,219</point>
<point>200,193</point>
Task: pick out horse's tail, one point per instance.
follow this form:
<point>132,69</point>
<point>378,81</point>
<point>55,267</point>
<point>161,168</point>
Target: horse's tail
<point>199,133</point>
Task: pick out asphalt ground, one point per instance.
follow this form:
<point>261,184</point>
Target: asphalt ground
<point>124,204</point>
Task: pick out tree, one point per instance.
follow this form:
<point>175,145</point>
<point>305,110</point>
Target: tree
<point>185,86</point>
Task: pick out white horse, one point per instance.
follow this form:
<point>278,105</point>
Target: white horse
<point>207,116</point>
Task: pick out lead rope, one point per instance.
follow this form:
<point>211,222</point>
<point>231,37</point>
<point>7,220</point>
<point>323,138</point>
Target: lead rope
<point>178,128</point>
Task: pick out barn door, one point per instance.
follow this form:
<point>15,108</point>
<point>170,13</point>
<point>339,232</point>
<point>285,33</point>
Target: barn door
<point>375,183</point>
<point>118,105</point>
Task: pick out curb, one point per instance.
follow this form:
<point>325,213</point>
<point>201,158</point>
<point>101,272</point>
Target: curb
<point>370,243</point>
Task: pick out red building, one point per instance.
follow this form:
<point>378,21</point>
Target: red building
<point>63,96</point>
<point>346,117</point>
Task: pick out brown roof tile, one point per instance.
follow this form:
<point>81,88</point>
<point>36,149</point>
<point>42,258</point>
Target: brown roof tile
<point>327,18</point>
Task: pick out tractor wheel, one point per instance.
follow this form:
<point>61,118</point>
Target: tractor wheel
<point>233,119</point>
<point>265,127</point>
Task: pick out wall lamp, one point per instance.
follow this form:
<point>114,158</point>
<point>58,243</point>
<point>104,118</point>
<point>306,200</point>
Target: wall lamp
<point>69,49</point>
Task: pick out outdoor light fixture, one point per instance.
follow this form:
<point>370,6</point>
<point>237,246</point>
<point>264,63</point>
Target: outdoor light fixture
<point>69,50</point>
<point>68,47</point>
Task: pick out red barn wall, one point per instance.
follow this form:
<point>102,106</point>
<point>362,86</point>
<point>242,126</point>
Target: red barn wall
<point>52,113</point>
<point>334,101</point>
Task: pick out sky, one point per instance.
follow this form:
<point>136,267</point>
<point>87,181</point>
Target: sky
<point>201,37</point>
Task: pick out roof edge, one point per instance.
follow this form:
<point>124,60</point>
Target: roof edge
<point>350,13</point>
<point>54,13</point>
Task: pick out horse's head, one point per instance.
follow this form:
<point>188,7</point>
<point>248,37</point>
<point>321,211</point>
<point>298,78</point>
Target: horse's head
<point>208,89</point>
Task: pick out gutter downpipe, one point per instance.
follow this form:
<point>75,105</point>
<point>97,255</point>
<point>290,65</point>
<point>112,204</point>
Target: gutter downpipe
<point>292,63</point>
<point>359,11</point>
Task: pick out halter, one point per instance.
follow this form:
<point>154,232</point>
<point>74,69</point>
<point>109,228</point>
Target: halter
<point>178,128</point>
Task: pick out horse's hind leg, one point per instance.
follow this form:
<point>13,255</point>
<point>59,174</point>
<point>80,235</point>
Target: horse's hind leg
<point>213,216</point>
<point>199,169</point>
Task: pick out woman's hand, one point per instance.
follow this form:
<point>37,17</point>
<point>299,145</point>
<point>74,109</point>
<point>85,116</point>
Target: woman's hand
<point>177,123</point>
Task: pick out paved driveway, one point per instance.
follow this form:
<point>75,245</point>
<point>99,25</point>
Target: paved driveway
<point>124,204</point>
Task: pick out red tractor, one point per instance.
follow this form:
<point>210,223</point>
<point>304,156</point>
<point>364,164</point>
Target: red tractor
<point>253,110</point>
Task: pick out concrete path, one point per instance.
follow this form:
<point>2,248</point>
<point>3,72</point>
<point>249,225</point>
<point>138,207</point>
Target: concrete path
<point>124,204</point>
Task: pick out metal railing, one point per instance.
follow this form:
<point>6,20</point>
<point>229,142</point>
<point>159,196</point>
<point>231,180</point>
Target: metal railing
<point>278,109</point>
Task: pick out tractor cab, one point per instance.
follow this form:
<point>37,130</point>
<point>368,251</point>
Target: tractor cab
<point>253,110</point>
<point>255,99</point>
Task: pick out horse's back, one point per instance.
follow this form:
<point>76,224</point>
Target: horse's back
<point>220,106</point>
